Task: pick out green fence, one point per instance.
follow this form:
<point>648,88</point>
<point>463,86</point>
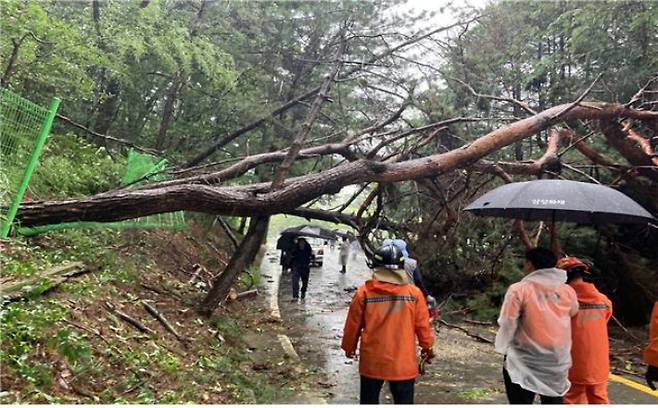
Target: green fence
<point>139,169</point>
<point>24,128</point>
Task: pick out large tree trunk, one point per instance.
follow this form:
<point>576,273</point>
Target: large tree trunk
<point>243,256</point>
<point>256,199</point>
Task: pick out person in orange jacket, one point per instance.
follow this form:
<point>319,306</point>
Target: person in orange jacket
<point>589,335</point>
<point>651,352</point>
<point>387,313</point>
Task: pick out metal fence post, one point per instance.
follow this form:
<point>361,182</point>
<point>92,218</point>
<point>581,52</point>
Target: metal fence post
<point>32,164</point>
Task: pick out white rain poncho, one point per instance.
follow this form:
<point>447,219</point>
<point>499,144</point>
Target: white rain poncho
<point>535,331</point>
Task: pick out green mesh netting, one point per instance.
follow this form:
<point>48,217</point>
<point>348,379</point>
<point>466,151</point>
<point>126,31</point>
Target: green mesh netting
<point>24,127</point>
<point>140,168</point>
<point>143,167</point>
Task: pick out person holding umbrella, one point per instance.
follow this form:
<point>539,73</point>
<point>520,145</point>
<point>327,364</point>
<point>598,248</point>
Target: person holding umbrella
<point>530,366</point>
<point>301,256</point>
<point>589,334</point>
<point>535,331</point>
<point>285,243</point>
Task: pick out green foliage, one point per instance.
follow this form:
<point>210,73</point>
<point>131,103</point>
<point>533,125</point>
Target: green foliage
<point>226,325</point>
<point>547,52</point>
<point>170,364</point>
<point>474,393</point>
<point>70,166</point>
<point>56,52</point>
<point>251,277</point>
<point>70,345</point>
<point>22,327</point>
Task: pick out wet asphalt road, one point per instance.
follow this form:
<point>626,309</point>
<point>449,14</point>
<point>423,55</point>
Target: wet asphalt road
<point>464,371</point>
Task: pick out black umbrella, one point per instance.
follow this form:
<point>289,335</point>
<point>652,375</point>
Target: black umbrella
<point>309,231</point>
<point>285,242</point>
<point>560,200</point>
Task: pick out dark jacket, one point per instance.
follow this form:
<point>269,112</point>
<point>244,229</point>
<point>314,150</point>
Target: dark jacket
<point>301,258</point>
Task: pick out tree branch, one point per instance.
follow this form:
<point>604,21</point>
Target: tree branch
<point>108,137</point>
<point>642,142</point>
<point>256,199</point>
<point>223,141</point>
<point>320,98</point>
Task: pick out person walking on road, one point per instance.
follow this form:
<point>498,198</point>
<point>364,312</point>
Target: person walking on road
<point>387,314</point>
<point>589,335</point>
<point>535,331</point>
<point>301,256</point>
<point>343,254</point>
<point>354,248</point>
<point>651,352</point>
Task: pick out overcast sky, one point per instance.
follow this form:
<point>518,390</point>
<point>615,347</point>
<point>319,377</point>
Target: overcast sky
<point>443,8</point>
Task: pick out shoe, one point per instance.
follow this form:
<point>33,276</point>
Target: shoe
<point>293,300</point>
<point>303,298</point>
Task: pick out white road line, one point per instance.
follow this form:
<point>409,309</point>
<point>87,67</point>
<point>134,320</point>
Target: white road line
<point>288,347</point>
<point>274,296</point>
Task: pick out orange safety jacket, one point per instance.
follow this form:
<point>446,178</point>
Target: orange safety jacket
<point>387,317</point>
<point>651,352</point>
<point>589,336</point>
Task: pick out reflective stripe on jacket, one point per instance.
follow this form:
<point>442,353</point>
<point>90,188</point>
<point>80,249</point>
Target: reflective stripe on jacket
<point>387,317</point>
<point>651,352</point>
<point>589,335</point>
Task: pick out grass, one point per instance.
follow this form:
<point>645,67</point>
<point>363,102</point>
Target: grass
<point>473,394</point>
<point>37,345</point>
<point>251,278</point>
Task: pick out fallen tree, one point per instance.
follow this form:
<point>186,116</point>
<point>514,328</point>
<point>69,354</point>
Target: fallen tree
<point>256,199</point>
<point>368,157</point>
<point>42,282</point>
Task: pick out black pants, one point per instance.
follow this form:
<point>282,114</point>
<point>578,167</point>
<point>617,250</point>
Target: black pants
<point>518,395</point>
<point>403,391</point>
<point>299,272</point>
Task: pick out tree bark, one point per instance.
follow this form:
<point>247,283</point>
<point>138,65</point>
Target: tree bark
<point>630,151</point>
<point>641,141</point>
<point>245,253</point>
<point>9,70</point>
<point>256,199</point>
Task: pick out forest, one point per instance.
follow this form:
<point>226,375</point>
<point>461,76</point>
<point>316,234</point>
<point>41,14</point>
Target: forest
<point>379,118</point>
